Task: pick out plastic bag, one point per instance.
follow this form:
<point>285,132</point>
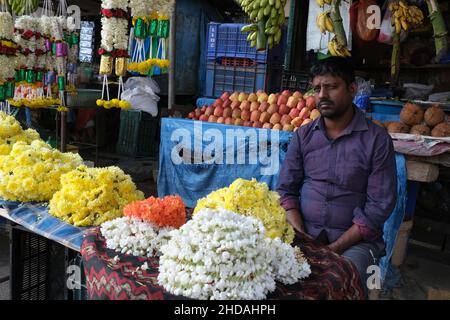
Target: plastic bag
<point>417,91</point>
<point>141,92</point>
<point>362,31</point>
<point>387,29</point>
<point>362,98</point>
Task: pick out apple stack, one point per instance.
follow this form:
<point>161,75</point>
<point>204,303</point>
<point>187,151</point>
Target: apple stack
<point>279,111</point>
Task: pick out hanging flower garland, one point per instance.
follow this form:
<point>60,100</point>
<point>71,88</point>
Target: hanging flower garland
<point>154,27</point>
<point>113,50</point>
<point>222,255</point>
<point>8,50</point>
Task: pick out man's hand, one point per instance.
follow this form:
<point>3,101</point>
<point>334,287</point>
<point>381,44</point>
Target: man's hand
<point>295,220</point>
<point>349,238</point>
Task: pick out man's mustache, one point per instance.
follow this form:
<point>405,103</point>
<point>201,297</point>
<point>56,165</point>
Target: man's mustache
<point>325,102</point>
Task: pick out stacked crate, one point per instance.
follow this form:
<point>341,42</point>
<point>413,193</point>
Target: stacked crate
<point>232,65</point>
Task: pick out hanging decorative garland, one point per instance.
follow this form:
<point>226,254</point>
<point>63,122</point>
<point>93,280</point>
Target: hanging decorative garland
<point>8,49</point>
<point>152,28</point>
<point>113,49</point>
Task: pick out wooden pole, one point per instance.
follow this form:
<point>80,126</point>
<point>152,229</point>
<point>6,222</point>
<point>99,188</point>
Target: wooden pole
<point>439,29</point>
<point>172,40</point>
<point>337,22</point>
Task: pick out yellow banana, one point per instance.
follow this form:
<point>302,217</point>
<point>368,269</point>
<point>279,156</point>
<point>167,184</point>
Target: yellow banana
<point>398,26</point>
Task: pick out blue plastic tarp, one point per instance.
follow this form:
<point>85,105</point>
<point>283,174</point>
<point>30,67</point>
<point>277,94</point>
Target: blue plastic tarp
<point>193,179</point>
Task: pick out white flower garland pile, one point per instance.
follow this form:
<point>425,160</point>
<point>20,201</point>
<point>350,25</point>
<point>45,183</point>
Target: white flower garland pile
<point>222,255</point>
<point>134,236</point>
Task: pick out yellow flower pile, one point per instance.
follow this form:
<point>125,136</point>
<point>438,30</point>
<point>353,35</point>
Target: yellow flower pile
<point>11,132</point>
<point>251,198</point>
<point>91,196</point>
<point>31,172</point>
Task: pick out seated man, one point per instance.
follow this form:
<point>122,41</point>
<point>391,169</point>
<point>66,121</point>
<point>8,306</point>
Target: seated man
<point>338,182</point>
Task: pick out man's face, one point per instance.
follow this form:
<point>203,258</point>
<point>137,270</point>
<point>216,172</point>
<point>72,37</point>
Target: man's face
<point>333,95</point>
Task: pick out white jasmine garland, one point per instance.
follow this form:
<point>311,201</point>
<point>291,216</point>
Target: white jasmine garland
<point>25,23</point>
<point>107,33</point>
<point>56,29</point>
<point>222,255</point>
<point>134,236</point>
<point>120,34</point>
<point>140,8</point>
<point>6,67</point>
<point>288,263</point>
<point>115,4</point>
<point>6,26</point>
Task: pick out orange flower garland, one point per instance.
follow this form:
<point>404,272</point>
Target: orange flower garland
<point>167,212</point>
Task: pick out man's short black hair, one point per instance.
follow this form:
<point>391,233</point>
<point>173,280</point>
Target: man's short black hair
<point>335,66</point>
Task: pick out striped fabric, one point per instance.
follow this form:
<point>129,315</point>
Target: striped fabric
<point>35,217</point>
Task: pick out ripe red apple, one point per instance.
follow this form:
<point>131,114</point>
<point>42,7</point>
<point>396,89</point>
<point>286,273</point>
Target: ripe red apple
<point>297,122</point>
<point>263,107</point>
<point>239,122</point>
<point>275,118</point>
<point>218,111</point>
<point>218,102</point>
<point>191,115</point>
<point>301,104</point>
<point>255,116</point>
<point>257,124</point>
<point>203,109</point>
<point>227,112</point>
<point>212,118</point>
<point>310,103</point>
<point>236,114</point>
<point>227,104</point>
<point>265,117</point>
<point>297,94</point>
<point>306,121</point>
<point>294,113</point>
<point>285,119</point>
<point>248,123</point>
<point>245,105</point>
<point>273,108</point>
<point>287,93</point>
<point>245,115</point>
<point>229,121</point>
<point>284,109</point>
<point>282,99</point>
<point>209,111</point>
<point>304,113</point>
<point>221,120</point>
<point>277,127</point>
<point>267,126</point>
<point>254,106</point>
<point>235,104</point>
<point>225,96</point>
<point>203,117</point>
<point>198,112</point>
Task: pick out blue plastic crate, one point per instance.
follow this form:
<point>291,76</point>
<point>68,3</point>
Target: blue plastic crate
<point>221,78</point>
<point>227,40</point>
<point>386,107</point>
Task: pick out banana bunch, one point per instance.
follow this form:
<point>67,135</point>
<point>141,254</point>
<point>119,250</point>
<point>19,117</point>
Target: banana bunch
<point>18,7</point>
<point>322,3</point>
<point>269,12</point>
<point>404,16</point>
<point>338,50</point>
<point>324,22</point>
